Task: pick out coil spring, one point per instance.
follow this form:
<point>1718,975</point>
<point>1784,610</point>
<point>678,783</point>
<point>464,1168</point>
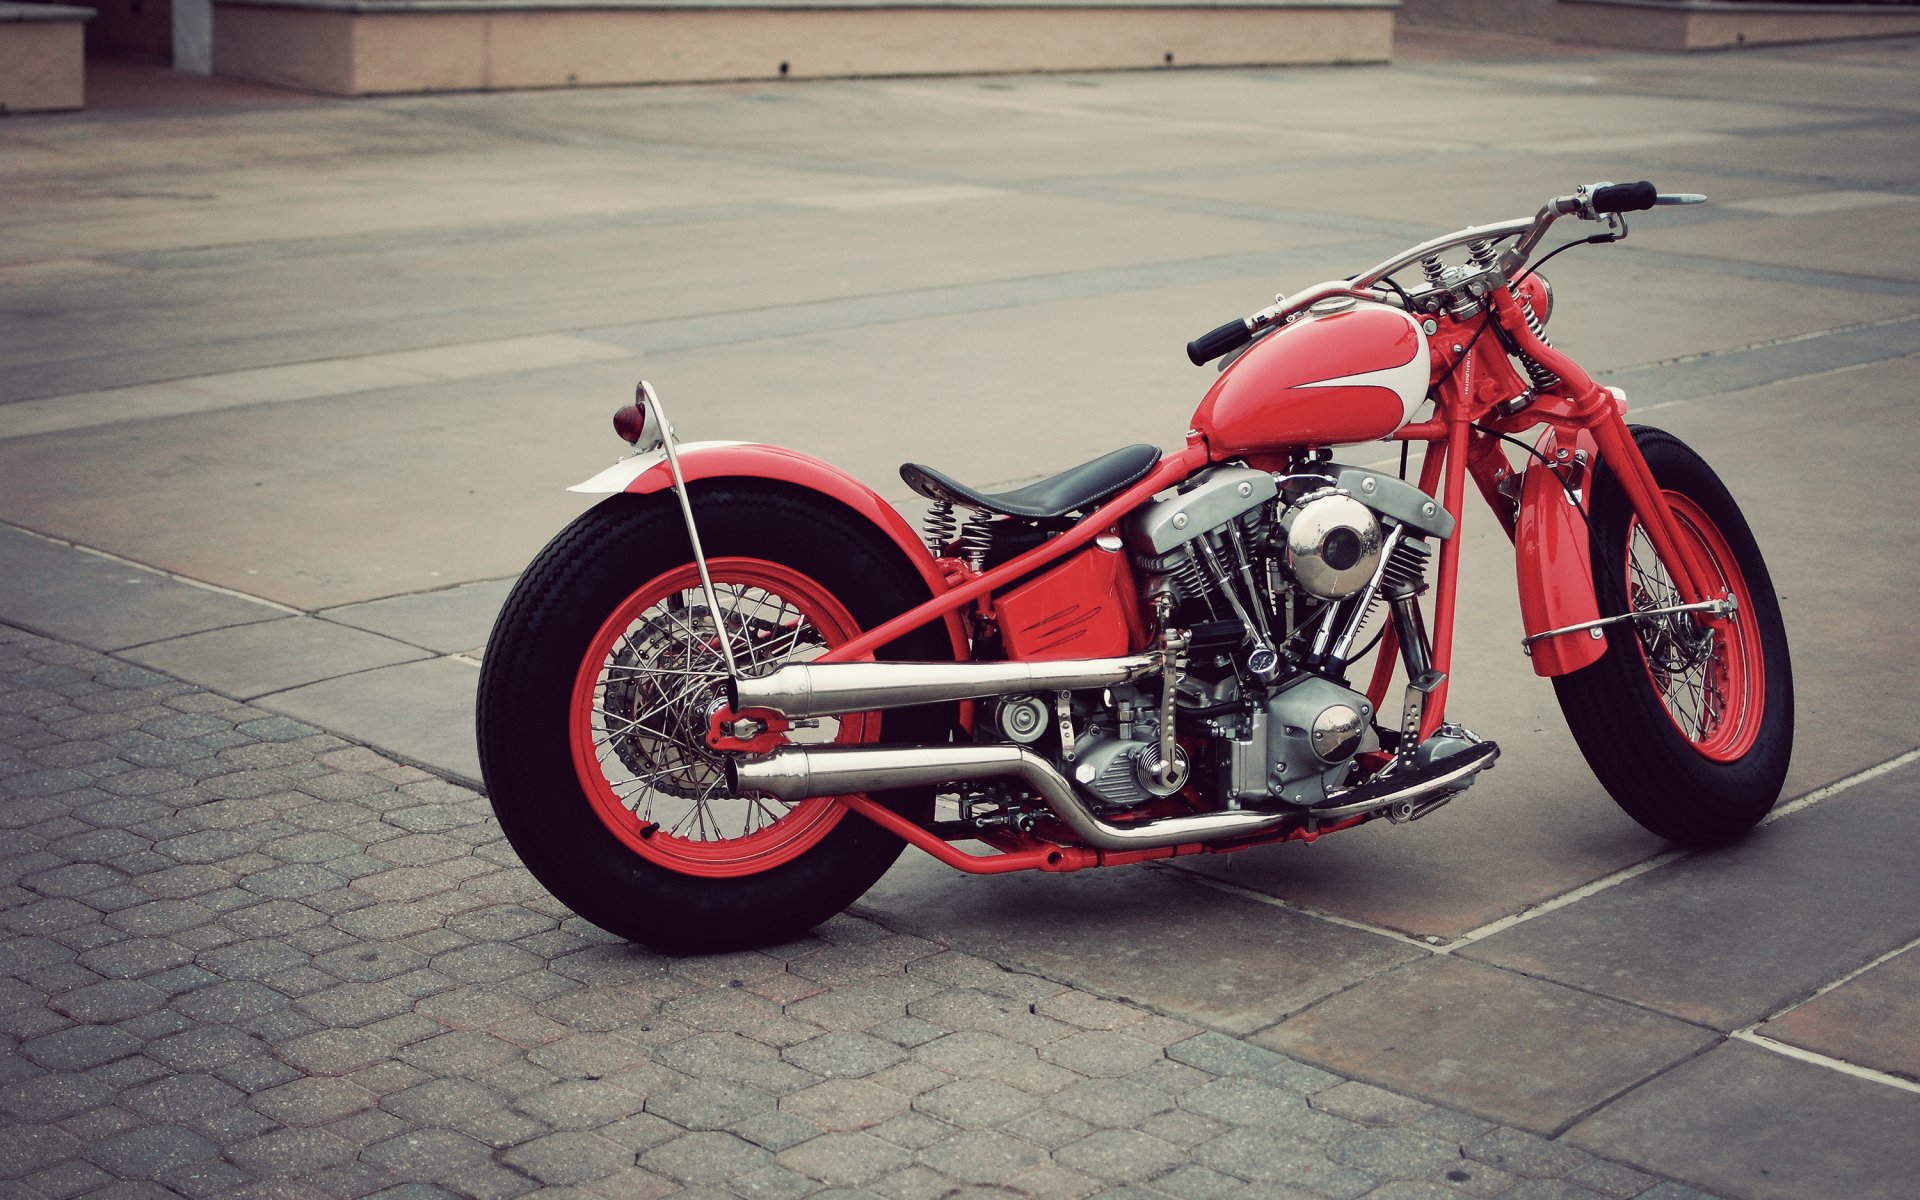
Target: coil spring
<point>976,538</point>
<point>1481,252</point>
<point>1435,269</point>
<point>940,527</point>
<point>1542,378</point>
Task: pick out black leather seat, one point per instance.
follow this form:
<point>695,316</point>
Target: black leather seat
<point>1073,490</point>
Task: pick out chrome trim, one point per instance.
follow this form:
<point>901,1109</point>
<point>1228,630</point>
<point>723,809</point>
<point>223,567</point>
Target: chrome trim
<point>1718,608</point>
<point>821,689</point>
<point>800,772</point>
<point>797,772</point>
<point>646,398</point>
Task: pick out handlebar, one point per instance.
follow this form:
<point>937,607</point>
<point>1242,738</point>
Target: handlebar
<point>1590,202</point>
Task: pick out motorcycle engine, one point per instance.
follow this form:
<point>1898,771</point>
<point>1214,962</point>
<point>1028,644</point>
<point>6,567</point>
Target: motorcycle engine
<point>1262,569</point>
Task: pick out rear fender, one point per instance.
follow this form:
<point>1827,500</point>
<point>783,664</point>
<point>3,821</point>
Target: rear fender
<point>1553,553</point>
<point>645,474</point>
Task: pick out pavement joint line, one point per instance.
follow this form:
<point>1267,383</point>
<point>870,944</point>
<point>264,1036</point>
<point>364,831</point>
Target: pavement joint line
<point>1562,900</point>
<point>161,571</point>
<point>1839,1065</point>
<point>1823,989</point>
<point>1840,785</point>
<point>1246,893</point>
<point>1766,344</point>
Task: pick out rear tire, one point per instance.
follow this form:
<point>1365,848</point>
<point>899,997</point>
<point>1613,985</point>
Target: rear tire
<point>1690,729</point>
<point>593,700</point>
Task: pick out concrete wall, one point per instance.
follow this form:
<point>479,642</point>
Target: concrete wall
<point>349,51</point>
<point>42,57</point>
<point>1667,24</point>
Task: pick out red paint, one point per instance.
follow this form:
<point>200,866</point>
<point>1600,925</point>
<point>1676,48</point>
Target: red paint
<point>753,461</point>
<point>1266,399</point>
<point>1736,668</point>
<point>1553,557</point>
<point>1085,608</point>
<point>620,806</point>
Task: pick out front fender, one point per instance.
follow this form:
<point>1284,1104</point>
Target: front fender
<point>644,474</point>
<point>1553,553</point>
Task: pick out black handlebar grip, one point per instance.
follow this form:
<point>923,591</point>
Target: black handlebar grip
<point>1215,342</point>
<point>1624,197</point>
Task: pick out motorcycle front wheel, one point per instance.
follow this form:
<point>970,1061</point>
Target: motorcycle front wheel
<point>597,686</point>
<point>1688,726</point>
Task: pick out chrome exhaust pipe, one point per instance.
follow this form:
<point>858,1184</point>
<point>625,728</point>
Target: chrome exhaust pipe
<point>820,689</point>
<point>798,772</point>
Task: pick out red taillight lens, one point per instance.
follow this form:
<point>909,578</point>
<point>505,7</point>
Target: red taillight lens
<point>629,422</point>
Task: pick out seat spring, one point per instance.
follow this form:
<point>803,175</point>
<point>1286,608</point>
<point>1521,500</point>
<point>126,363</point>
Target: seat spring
<point>976,538</point>
<point>940,526</point>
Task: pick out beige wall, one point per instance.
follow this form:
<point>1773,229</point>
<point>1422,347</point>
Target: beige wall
<point>1673,28</point>
<point>41,66</point>
<point>367,54</point>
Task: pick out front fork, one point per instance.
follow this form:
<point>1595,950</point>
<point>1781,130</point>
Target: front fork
<point>1453,452</point>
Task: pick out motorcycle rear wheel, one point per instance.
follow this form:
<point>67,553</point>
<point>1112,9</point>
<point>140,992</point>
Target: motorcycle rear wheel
<point>594,697</point>
<point>1689,727</point>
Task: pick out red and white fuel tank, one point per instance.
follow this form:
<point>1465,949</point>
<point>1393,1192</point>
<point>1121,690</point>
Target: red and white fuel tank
<point>1348,371</point>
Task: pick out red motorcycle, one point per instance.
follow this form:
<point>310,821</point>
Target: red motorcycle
<point>718,703</point>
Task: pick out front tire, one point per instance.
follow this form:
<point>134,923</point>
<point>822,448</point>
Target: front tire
<point>1689,727</point>
<point>594,696</point>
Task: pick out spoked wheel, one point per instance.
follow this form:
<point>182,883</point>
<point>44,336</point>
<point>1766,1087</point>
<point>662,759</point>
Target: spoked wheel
<point>1688,724</point>
<point>596,696</point>
<point>646,689</point>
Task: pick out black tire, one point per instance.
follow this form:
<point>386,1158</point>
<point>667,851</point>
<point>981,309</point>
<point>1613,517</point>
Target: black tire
<point>525,714</point>
<point>1713,782</point>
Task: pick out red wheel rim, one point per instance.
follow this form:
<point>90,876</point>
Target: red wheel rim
<point>641,699</point>
<point>1711,680</point>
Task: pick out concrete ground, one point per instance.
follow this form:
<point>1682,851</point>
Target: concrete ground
<point>291,388</point>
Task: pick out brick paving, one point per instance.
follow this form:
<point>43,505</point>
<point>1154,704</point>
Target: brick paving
<point>245,957</point>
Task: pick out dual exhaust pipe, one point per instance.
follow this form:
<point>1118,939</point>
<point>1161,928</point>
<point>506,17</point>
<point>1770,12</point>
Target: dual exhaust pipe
<point>807,690</point>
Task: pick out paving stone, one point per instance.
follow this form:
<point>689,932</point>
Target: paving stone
<point>845,1105</point>
<point>976,1103</point>
<point>1396,1153</point>
<point>844,1055</point>
<point>151,1151</point>
<point>579,1104</point>
<point>182,1097</point>
<point>773,1131</point>
<point>981,1156</point>
<point>312,1101</point>
<point>1221,1055</point>
<point>427,1153</point>
<point>972,1053</point>
<point>1517,1050</point>
<point>914,1183</point>
<point>1111,1103</point>
<point>1708,1123</point>
<point>79,1048</point>
<point>1101,1053</point>
<point>845,1159</point>
<point>965,1008</point>
<point>1275,1156</point>
<point>53,1097</point>
<point>1192,1181</point>
<point>1368,1105</point>
<point>1526,1153</point>
<point>706,1158</point>
<point>772,1183</point>
<point>708,1105</point>
<point>291,1153</point>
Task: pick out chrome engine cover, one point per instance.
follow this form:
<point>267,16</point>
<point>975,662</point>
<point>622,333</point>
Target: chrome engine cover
<point>1297,747</point>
